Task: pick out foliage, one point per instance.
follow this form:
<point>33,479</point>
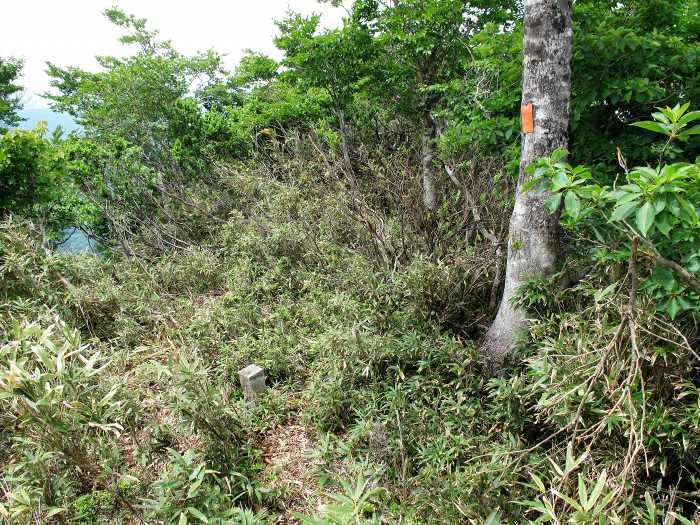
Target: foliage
<point>34,180</point>
<point>235,238</point>
<point>59,413</point>
<point>10,103</point>
<point>651,215</point>
<point>145,136</point>
<point>352,506</point>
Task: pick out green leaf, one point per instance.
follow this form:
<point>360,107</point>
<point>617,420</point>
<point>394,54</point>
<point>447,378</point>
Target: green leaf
<point>688,117</point>
<point>623,211</point>
<point>582,491</point>
<point>663,223</point>
<point>54,511</point>
<point>645,218</point>
<point>597,491</point>
<point>660,117</point>
<point>673,308</point>
<point>652,126</point>
<point>559,181</point>
<point>571,501</point>
<point>493,519</point>
<point>695,130</point>
<point>538,482</point>
<point>553,202</point>
<point>197,514</point>
<point>627,197</point>
<point>572,204</point>
<point>684,521</point>
<point>558,154</point>
<point>602,294</point>
<point>688,211</point>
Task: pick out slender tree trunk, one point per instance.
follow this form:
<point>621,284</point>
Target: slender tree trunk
<point>533,240</point>
<point>428,138</point>
<point>345,146</point>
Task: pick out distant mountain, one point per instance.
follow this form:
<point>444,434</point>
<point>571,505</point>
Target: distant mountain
<point>53,119</point>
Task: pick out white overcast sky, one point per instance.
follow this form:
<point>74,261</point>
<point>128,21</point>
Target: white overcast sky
<point>73,32</point>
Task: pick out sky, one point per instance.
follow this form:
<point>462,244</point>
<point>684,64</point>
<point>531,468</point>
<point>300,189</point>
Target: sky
<point>73,32</point>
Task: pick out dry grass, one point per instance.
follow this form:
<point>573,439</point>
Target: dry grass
<point>290,469</point>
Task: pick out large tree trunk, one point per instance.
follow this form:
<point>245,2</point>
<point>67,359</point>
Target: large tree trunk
<point>533,240</point>
<point>428,139</point>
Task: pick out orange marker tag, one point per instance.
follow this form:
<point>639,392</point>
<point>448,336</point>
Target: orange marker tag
<point>527,118</point>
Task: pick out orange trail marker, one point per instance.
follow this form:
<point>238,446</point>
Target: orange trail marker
<point>527,118</point>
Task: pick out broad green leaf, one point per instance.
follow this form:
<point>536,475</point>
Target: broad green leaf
<point>670,113</point>
<point>628,197</point>
<point>558,154</point>
<point>553,202</point>
<point>645,218</point>
<point>652,126</point>
<point>688,210</point>
<point>660,117</point>
<point>622,212</point>
<point>688,117</point>
<point>572,204</point>
<point>559,181</point>
<point>663,223</point>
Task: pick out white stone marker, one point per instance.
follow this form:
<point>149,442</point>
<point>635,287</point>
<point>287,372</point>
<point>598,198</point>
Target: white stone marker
<point>252,379</point>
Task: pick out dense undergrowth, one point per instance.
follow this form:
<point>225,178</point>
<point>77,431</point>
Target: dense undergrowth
<point>120,399</point>
<point>276,214</point>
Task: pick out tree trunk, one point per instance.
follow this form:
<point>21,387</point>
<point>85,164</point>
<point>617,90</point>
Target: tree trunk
<point>533,240</point>
<point>345,146</point>
<point>427,169</point>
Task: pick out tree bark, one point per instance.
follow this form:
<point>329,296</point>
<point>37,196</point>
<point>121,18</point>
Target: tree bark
<point>428,138</point>
<point>533,239</point>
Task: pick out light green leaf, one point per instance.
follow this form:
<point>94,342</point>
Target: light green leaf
<point>597,491</point>
<point>684,521</point>
<point>688,117</point>
<point>558,154</point>
<point>197,514</point>
<point>54,511</point>
<point>571,501</point>
<point>538,482</point>
<point>493,519</point>
<point>572,204</point>
<point>559,181</point>
<point>602,294</point>
<point>645,218</point>
<point>582,491</point>
<point>673,308</point>
<point>652,126</point>
<point>623,211</point>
